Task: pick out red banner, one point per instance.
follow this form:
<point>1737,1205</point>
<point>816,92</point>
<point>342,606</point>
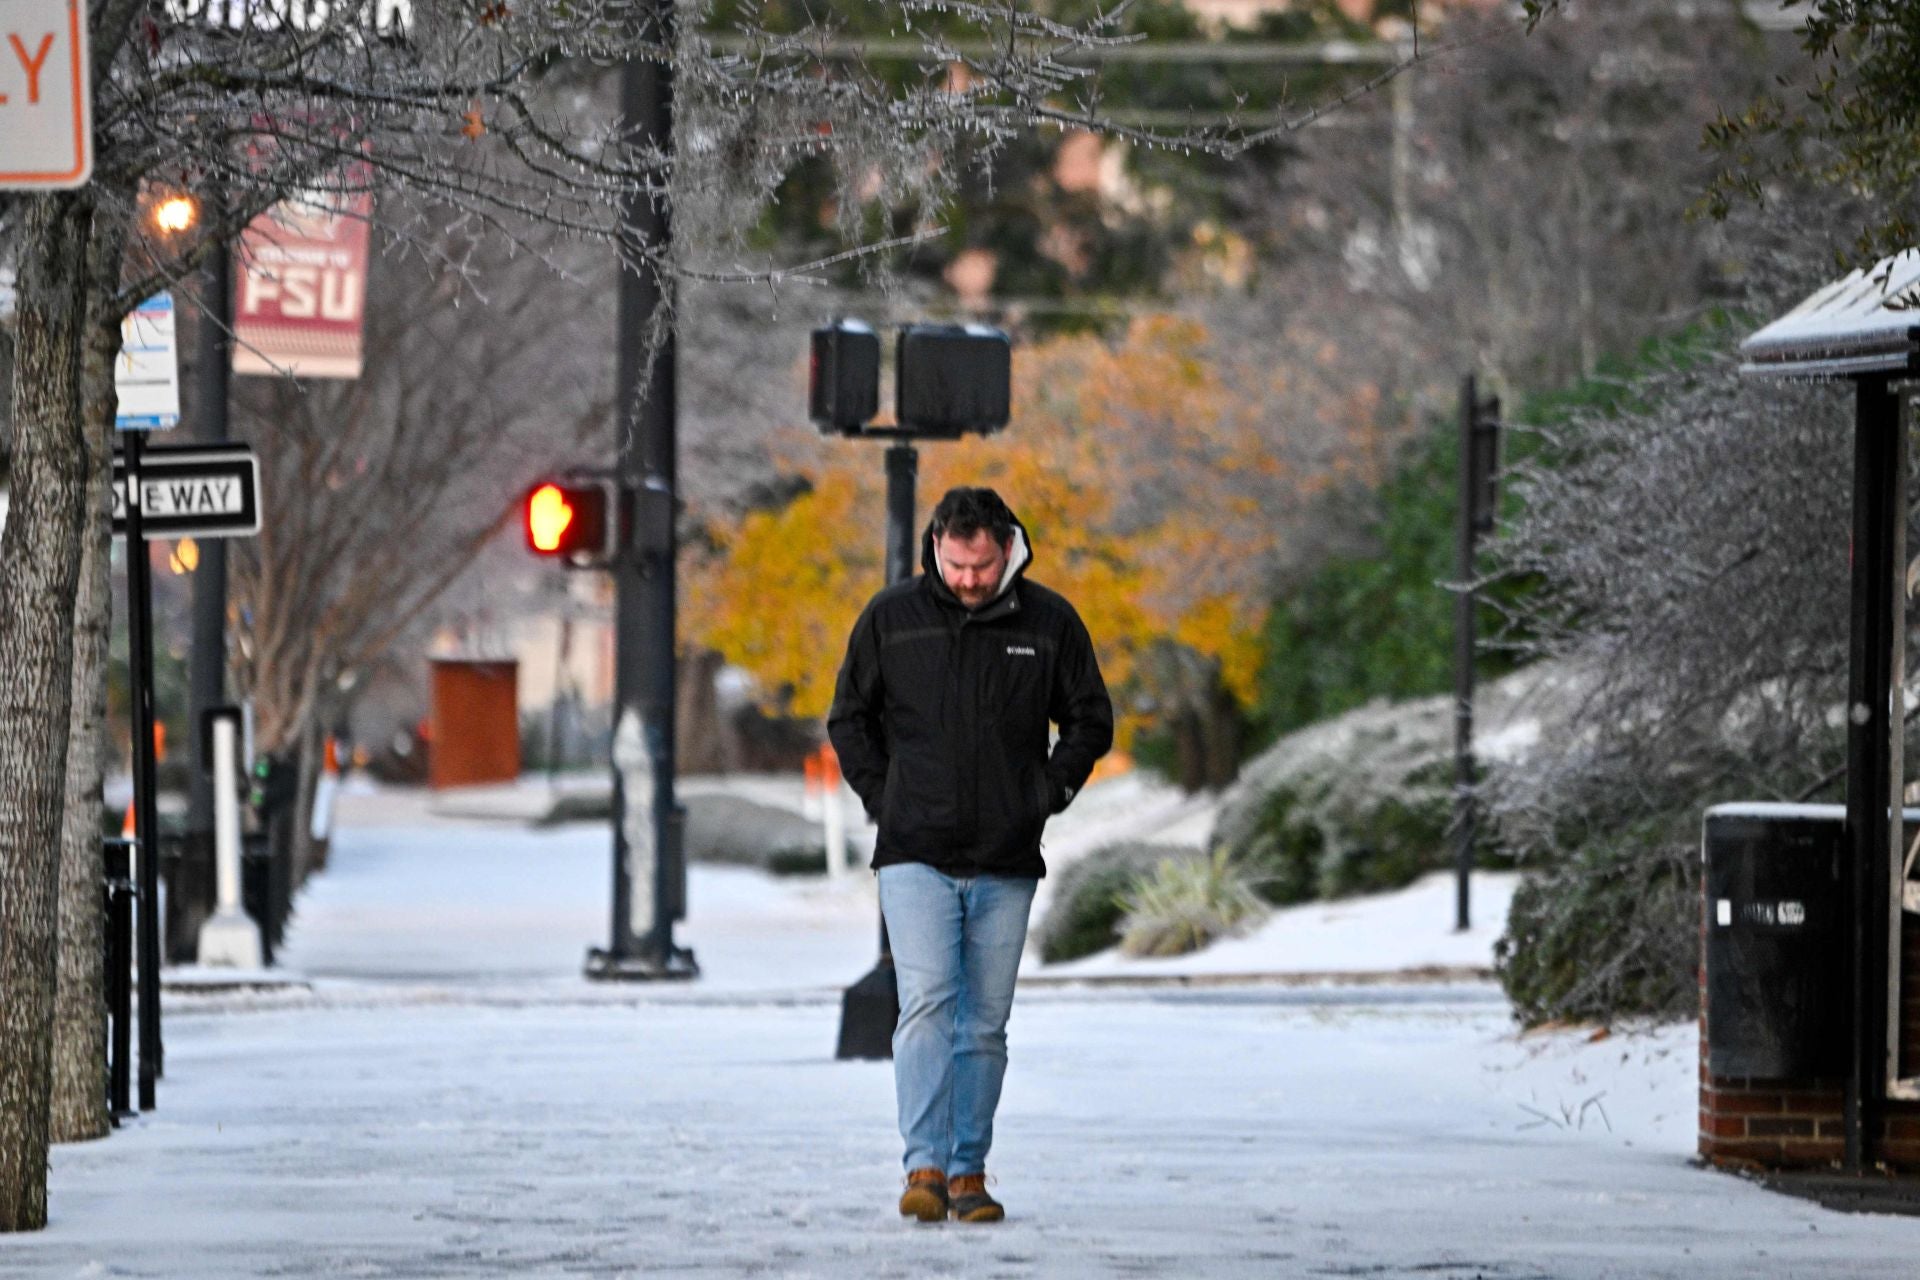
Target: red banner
<point>300,288</point>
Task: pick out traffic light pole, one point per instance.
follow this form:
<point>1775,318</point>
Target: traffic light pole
<point>903,472</point>
<point>207,656</point>
<point>648,856</point>
<point>870,1008</point>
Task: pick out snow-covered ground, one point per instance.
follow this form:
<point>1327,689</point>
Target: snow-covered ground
<point>1411,929</point>
<point>1246,1133</point>
<point>451,1099</point>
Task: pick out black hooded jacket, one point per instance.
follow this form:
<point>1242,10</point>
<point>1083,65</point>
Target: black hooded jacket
<point>940,718</point>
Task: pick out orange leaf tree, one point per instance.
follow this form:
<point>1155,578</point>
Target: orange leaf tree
<point>1158,476</point>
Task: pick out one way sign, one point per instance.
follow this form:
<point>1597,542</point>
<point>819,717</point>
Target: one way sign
<point>192,491</point>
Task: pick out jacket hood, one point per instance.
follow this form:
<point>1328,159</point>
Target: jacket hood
<point>1019,556</point>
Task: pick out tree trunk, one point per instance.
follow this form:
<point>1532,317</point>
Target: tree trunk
<point>39,573</point>
<point>309,855</point>
<point>79,1107</point>
<point>1222,732</point>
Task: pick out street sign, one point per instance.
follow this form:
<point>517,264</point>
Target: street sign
<point>46,104</point>
<point>147,375</point>
<point>192,491</point>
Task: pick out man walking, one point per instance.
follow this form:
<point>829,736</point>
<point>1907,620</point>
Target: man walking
<point>940,719</point>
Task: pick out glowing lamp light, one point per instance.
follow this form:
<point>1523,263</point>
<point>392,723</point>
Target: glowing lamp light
<point>175,214</point>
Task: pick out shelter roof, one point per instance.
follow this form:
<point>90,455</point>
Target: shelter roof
<point>1866,322</point>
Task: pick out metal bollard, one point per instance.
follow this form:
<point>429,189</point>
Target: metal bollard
<point>227,937</point>
<point>119,893</point>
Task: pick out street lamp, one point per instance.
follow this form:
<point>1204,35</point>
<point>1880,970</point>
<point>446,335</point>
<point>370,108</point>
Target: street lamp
<point>175,214</point>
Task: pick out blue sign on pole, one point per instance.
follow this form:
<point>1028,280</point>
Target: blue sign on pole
<point>147,375</point>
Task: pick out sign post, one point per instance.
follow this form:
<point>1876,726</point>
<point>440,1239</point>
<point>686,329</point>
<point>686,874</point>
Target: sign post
<point>165,492</point>
<point>46,99</point>
<point>146,826</point>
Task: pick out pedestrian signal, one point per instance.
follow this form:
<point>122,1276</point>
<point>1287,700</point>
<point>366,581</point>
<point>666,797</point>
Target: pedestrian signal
<point>951,380</point>
<point>843,377</point>
<point>572,519</point>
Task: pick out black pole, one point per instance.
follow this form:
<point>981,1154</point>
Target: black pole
<point>903,472</point>
<point>870,1008</point>
<point>119,907</point>
<point>146,824</point>
<point>903,468</point>
<point>1878,492</point>
<point>207,655</point>
<point>1463,639</point>
<point>645,589</point>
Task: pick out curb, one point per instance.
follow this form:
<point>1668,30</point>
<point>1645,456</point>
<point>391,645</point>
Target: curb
<point>1420,975</point>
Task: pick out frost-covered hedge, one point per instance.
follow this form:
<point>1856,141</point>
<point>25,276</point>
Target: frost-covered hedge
<point>1364,802</point>
<point>1356,804</point>
<point>1611,929</point>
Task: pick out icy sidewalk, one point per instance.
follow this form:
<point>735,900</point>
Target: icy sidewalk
<point>1262,1133</point>
<point>452,1099</point>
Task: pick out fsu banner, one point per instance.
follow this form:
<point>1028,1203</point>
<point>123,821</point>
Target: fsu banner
<point>300,288</point>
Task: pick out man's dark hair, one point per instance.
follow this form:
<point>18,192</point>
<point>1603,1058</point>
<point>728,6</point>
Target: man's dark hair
<point>963,512</point>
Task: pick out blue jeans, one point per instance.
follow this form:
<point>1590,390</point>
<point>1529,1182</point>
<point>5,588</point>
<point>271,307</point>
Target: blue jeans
<point>956,948</point>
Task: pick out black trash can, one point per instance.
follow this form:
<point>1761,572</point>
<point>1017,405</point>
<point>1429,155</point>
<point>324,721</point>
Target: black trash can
<point>1778,997</point>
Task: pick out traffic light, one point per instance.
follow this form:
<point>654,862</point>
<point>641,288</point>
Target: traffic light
<point>575,519</point>
<point>950,379</point>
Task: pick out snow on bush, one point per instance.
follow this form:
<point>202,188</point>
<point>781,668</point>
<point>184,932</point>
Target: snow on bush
<point>1363,802</point>
<point>1689,542</point>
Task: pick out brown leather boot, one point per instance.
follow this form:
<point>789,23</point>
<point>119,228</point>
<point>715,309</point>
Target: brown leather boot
<point>971,1203</point>
<point>926,1195</point>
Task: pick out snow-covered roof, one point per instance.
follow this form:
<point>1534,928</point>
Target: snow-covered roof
<point>1783,812</point>
<point>1867,322</point>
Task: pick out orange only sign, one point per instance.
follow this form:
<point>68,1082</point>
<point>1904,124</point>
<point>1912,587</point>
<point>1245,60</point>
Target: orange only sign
<point>46,103</point>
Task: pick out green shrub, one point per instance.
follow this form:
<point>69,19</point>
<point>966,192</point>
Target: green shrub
<point>1085,914</point>
<point>801,860</point>
<point>1613,928</point>
<point>1282,856</point>
<point>1387,844</point>
<point>1186,904</point>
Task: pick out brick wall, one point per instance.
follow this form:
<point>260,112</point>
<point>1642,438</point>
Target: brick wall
<point>1785,1124</point>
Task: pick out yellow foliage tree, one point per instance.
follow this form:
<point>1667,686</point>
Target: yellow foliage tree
<point>1156,476</point>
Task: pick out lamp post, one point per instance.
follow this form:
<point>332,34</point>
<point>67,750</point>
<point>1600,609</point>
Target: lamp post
<point>207,650</point>
<point>1479,462</point>
<point>171,215</point>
